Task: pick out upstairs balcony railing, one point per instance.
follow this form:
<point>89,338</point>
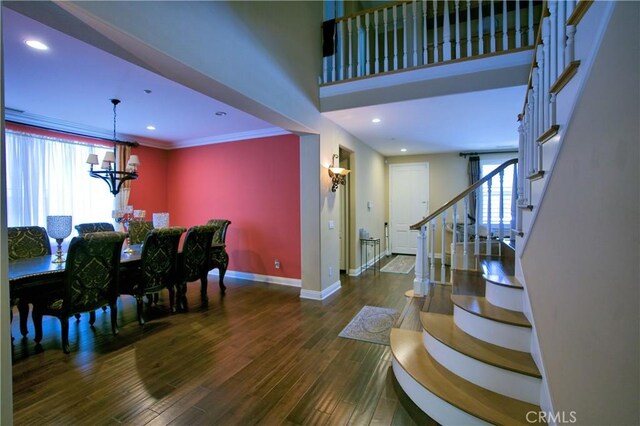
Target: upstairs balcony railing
<point>418,33</point>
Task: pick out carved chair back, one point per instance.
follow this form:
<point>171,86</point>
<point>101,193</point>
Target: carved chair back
<point>86,228</point>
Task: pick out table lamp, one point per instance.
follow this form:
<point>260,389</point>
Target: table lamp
<point>59,228</point>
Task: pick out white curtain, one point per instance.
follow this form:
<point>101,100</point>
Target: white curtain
<point>49,176</point>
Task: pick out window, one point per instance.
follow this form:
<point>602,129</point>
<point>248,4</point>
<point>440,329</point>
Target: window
<point>486,167</point>
<point>49,176</point>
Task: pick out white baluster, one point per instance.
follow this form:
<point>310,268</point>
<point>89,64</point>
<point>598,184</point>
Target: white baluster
<point>505,31</point>
<point>531,37</point>
<point>480,30</point>
<point>501,208</point>
<point>435,32</point>
<point>521,162</point>
<point>443,244</point>
<point>367,43</point>
<point>562,35</point>
<point>489,218</point>
<point>377,51</point>
<point>552,59</point>
<point>465,235</point>
<point>454,238</point>
<point>405,35</point>
<point>395,37</point>
<point>552,110</point>
<point>432,249</point>
<point>539,94</point>
<point>492,27</point>
<point>425,43</point>
<point>415,32</point>
<point>325,69</point>
<point>359,47</point>
<point>457,3</point>
<point>570,52</point>
<point>546,79</point>
<point>350,44</point>
<point>476,244</point>
<point>421,281</point>
<point>469,45</point>
<point>386,39</point>
<point>446,34</point>
<point>341,49</point>
<point>518,29</point>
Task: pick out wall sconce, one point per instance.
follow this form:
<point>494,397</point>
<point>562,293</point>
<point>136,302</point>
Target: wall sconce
<point>338,174</point>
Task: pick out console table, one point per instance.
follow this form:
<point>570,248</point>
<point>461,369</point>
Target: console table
<point>365,243</point>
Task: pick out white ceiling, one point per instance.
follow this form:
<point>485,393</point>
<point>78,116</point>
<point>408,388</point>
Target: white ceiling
<point>70,85</point>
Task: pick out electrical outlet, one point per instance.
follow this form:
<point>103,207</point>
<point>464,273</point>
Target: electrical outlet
<point>277,264</point>
<point>330,271</point>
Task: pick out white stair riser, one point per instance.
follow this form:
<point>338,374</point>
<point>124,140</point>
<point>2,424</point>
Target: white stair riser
<point>438,409</point>
<point>505,382</point>
<point>504,297</point>
<point>505,335</point>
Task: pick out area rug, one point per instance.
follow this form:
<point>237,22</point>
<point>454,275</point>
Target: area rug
<point>400,265</point>
<point>372,324</point>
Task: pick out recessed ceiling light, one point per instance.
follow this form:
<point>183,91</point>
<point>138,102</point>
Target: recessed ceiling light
<point>375,120</point>
<point>150,127</point>
<point>403,150</point>
<point>35,44</point>
<point>221,113</point>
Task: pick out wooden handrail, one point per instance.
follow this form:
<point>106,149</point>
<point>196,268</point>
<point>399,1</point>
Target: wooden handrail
<point>464,193</point>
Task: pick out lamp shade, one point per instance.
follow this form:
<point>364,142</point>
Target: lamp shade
<point>92,159</point>
<point>59,227</point>
<point>161,220</point>
<point>133,161</point>
<point>109,157</point>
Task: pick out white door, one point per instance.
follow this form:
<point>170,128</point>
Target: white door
<point>408,204</point>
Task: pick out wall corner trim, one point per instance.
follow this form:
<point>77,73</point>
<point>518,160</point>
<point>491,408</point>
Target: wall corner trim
<point>320,295</point>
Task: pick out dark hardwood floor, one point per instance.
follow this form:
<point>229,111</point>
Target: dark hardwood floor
<point>259,355</point>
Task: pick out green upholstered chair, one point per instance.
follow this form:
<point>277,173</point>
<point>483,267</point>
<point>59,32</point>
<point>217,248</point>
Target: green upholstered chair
<point>138,230</point>
<point>158,267</point>
<point>194,261</point>
<point>90,281</point>
<point>24,242</point>
<point>219,257</point>
<point>86,228</point>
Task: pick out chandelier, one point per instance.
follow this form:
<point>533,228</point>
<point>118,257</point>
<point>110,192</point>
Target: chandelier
<point>113,177</point>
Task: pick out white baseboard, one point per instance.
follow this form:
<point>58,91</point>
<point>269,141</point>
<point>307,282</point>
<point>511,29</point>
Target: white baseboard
<point>320,295</point>
<point>269,279</point>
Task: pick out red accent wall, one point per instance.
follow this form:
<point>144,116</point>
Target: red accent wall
<point>254,183</point>
<point>149,191</point>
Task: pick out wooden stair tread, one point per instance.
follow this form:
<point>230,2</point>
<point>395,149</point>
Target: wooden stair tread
<point>442,328</point>
<point>408,350</point>
<point>503,280</point>
<point>481,307</point>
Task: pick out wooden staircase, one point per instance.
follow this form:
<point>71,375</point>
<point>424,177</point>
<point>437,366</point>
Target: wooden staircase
<point>473,367</point>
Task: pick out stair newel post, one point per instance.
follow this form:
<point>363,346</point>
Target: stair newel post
<point>432,248</point>
<point>454,237</point>
<point>443,245</point>
<point>446,34</point>
<point>421,281</point>
<point>469,46</point>
<point>465,235</point>
<point>488,241</point>
<point>476,243</point>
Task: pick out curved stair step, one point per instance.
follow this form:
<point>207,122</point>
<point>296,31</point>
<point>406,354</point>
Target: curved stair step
<point>443,329</point>
<point>445,397</point>
<point>509,281</point>
<point>504,291</point>
<point>481,307</point>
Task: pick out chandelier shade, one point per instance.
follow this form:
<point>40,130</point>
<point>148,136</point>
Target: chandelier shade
<point>109,173</point>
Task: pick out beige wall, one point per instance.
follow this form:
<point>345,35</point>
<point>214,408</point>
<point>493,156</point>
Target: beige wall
<point>447,178</point>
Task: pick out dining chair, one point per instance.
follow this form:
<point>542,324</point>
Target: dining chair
<point>24,242</point>
<point>219,257</point>
<point>193,262</point>
<point>90,281</point>
<point>86,228</point>
<point>158,267</point>
<point>138,230</point>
